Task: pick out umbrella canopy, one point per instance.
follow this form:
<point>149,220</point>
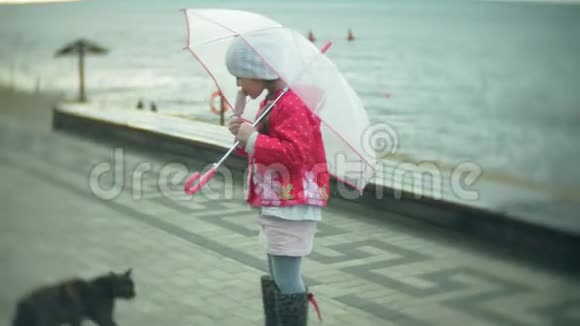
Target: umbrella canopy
<point>309,73</point>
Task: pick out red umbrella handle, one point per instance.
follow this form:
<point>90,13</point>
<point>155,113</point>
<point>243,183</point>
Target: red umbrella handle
<point>189,189</point>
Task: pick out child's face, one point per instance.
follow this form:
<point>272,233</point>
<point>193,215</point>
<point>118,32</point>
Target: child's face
<point>252,87</point>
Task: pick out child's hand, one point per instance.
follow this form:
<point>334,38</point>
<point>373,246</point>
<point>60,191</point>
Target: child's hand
<point>245,130</point>
<point>234,124</point>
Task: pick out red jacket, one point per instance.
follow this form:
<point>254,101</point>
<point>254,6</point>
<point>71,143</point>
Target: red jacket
<point>288,166</point>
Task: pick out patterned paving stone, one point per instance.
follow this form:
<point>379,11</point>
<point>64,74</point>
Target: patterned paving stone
<point>198,260</point>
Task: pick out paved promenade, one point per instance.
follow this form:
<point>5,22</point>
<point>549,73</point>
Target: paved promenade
<point>198,261</point>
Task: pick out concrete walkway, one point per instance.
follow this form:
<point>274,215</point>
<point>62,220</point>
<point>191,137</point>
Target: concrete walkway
<point>197,261</point>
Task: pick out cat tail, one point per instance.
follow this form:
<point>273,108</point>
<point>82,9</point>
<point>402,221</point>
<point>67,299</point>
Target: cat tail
<point>24,315</point>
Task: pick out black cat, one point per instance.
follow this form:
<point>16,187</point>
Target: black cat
<point>72,301</point>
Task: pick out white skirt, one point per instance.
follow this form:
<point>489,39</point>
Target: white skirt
<point>287,237</point>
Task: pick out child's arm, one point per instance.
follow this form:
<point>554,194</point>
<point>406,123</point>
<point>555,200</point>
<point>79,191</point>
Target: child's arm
<point>249,148</point>
<point>293,132</point>
<point>240,151</point>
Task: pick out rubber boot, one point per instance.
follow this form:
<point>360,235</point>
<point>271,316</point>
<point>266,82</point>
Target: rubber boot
<point>269,293</point>
<point>292,309</point>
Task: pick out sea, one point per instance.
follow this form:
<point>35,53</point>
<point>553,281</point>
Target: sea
<point>496,83</point>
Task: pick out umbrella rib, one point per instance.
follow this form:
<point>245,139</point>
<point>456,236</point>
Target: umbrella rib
<point>198,59</point>
<point>210,41</point>
<point>345,142</point>
<point>348,144</point>
<point>224,26</point>
<point>188,28</point>
<point>211,75</point>
<point>213,21</point>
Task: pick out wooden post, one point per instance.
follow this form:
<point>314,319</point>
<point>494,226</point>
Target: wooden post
<point>222,110</point>
<point>82,96</point>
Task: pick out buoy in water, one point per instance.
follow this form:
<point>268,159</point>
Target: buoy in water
<point>311,37</point>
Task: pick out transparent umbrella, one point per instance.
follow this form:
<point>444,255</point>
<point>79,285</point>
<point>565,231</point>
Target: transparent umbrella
<point>310,74</point>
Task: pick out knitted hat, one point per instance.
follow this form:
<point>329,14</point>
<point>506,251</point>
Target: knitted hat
<point>251,56</point>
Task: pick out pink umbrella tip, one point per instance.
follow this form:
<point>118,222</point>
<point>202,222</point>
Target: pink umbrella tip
<point>326,46</point>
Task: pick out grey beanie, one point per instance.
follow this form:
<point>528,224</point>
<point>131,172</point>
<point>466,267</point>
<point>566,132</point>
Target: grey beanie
<point>251,56</point>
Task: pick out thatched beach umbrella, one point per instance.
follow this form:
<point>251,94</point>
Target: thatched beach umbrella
<point>81,48</point>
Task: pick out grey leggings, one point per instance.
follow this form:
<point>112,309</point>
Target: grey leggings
<point>285,272</point>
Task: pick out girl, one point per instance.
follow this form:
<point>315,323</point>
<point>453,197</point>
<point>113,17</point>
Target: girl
<point>288,176</point>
